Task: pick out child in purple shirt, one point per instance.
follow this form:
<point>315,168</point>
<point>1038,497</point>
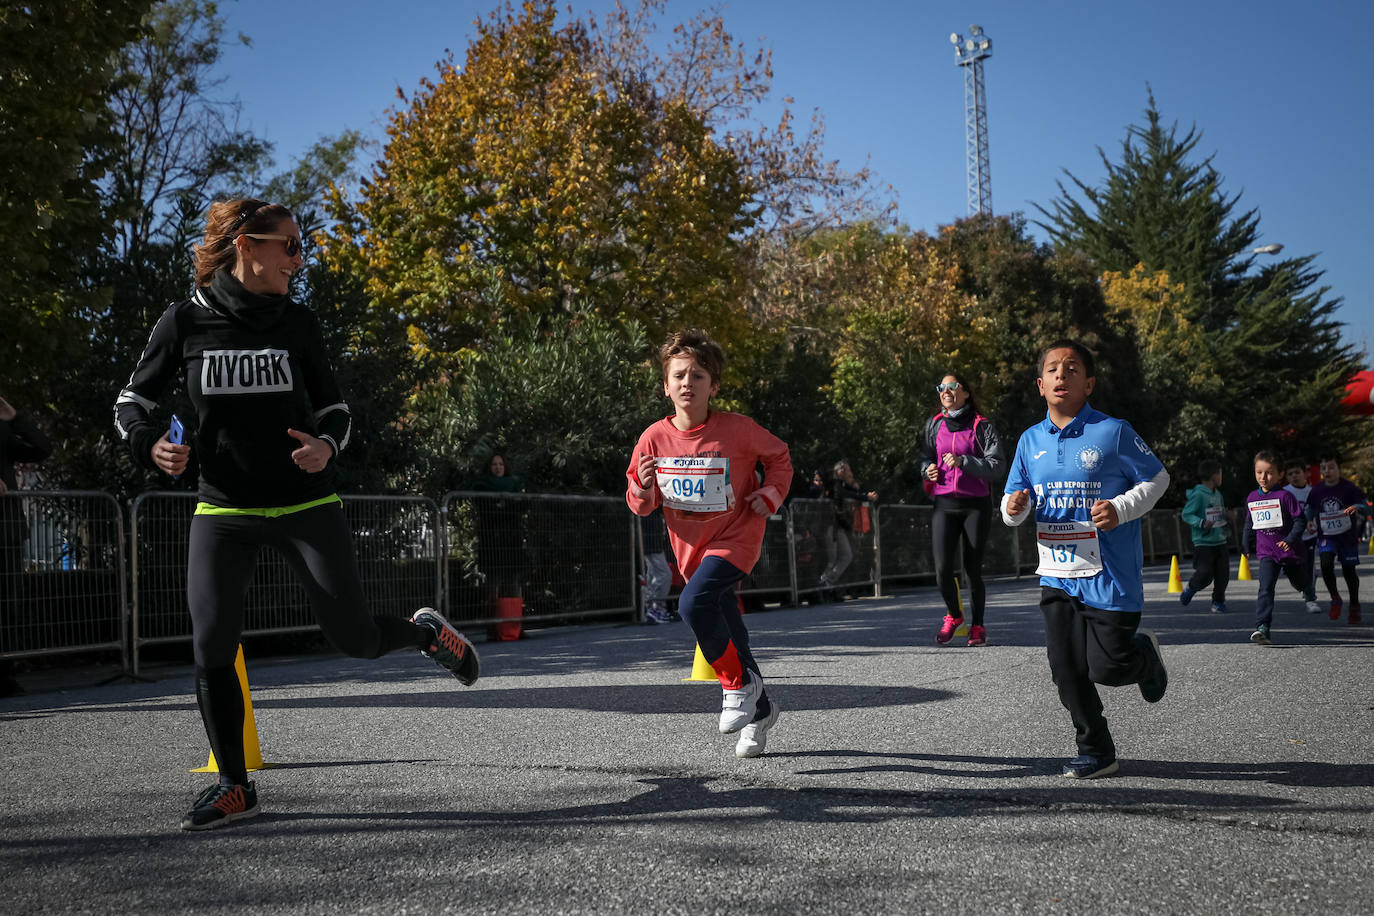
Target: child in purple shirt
<point>1333,504</point>
<point>1273,523</point>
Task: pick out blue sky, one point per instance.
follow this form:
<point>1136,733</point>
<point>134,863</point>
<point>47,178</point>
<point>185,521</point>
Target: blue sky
<point>1280,91</point>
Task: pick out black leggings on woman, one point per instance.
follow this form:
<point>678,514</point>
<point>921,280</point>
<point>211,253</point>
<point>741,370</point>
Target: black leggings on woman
<point>221,560</point>
<point>955,519</point>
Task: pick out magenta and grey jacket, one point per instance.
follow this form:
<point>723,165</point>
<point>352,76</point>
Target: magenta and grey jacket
<point>972,436</point>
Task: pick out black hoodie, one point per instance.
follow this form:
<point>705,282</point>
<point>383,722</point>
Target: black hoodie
<point>253,366</point>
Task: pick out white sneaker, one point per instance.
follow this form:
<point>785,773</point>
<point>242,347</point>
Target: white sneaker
<point>1313,607</point>
<point>738,707</point>
<point>754,737</point>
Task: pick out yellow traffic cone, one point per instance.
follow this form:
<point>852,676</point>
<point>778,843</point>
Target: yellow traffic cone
<point>701,669</point>
<point>959,597</point>
<point>1244,574</point>
<point>1175,580</point>
<point>252,751</point>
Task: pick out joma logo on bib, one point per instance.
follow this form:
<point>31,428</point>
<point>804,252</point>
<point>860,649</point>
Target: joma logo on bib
<point>245,371</point>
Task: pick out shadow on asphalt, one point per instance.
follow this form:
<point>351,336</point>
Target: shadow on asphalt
<point>645,699</point>
<point>1285,773</point>
<point>703,800</point>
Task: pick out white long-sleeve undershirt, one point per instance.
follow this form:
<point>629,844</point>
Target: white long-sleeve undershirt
<point>1130,505</point>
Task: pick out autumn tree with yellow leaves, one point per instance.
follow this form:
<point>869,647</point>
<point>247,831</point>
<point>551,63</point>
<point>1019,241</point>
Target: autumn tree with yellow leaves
<point>527,181</point>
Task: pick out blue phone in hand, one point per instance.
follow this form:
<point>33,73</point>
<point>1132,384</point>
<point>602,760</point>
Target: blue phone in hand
<point>176,435</point>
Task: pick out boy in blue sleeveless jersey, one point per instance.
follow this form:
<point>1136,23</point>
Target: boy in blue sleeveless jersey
<point>1089,478</point>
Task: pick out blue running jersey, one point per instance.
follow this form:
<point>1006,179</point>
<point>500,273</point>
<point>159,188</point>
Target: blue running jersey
<point>1094,457</point>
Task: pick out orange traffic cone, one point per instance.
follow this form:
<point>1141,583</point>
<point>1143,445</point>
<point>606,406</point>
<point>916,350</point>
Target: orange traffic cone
<point>252,751</point>
<point>1175,580</point>
<point>1244,574</point>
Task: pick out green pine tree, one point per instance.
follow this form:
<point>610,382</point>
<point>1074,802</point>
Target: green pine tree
<point>1270,335</point>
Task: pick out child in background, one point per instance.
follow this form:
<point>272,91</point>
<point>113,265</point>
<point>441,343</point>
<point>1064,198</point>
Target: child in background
<point>1205,513</point>
<point>1273,523</point>
<point>658,577</point>
<point>699,465</point>
<point>1335,505</point>
<point>1295,472</point>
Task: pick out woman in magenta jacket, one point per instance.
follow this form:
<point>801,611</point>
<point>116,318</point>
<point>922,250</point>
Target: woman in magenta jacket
<point>961,457</point>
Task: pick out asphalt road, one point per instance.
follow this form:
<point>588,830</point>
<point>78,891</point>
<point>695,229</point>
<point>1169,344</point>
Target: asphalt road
<point>582,775</point>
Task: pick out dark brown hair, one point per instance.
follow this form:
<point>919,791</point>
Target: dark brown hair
<point>963,383</point>
<point>1084,355</point>
<point>225,221</point>
<point>697,344</point>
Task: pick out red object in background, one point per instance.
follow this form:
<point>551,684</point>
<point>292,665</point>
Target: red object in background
<point>511,611</point>
<point>1359,394</point>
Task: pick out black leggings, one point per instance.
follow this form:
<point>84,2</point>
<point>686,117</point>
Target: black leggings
<point>967,520</point>
<point>1349,570</point>
<point>221,560</point>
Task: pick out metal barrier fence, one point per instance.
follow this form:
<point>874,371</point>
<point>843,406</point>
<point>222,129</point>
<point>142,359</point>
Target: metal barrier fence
<point>65,588</point>
<point>62,573</point>
<point>396,540</point>
<point>908,556</point>
<point>565,557</point>
<point>817,524</point>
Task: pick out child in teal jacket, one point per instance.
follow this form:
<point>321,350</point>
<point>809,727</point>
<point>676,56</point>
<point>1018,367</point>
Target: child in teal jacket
<point>1206,515</point>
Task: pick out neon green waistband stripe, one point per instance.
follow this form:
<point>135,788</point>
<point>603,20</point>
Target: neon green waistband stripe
<point>270,512</point>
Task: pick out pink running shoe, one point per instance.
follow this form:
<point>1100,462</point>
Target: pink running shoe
<point>977,636</point>
<point>947,629</point>
<point>1335,613</point>
<point>1354,618</point>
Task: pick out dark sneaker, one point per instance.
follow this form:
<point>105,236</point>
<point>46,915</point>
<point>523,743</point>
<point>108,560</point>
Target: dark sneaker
<point>1186,596</point>
<point>220,805</point>
<point>1261,635</point>
<point>947,628</point>
<point>655,614</point>
<point>1087,766</point>
<point>1335,612</point>
<point>1152,688</point>
<point>1354,618</point>
<point>1218,607</point>
<point>450,649</point>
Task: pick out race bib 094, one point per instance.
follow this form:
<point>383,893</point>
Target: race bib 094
<point>695,484</point>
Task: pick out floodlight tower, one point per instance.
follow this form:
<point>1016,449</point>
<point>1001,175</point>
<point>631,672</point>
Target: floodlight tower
<point>970,53</point>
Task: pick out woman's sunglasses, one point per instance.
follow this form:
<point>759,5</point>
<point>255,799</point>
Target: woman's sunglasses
<point>293,244</point>
<point>946,386</point>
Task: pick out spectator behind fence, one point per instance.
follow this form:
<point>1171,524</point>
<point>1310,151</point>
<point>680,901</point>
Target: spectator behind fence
<point>20,441</point>
<point>658,576</point>
<point>851,515</point>
<point>500,541</point>
<point>960,458</point>
<point>270,420</point>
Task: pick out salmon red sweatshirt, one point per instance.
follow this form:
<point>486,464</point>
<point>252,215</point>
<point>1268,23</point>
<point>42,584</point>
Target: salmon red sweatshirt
<point>704,475</point>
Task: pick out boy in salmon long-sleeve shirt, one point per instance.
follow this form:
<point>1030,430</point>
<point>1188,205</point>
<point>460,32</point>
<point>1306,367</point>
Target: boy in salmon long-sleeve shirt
<point>699,465</point>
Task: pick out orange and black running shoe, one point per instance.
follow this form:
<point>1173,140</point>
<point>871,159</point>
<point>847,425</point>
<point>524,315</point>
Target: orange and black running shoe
<point>220,805</point>
<point>449,648</point>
